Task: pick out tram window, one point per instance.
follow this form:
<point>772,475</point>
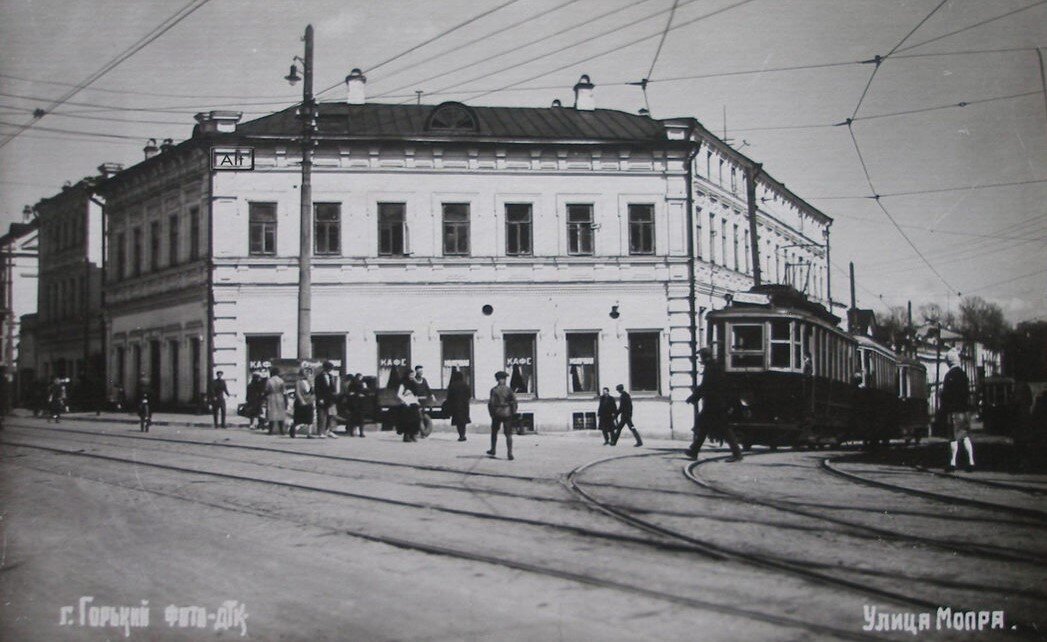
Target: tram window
<point>780,345</point>
<point>798,345</point>
<point>823,354</point>
<point>747,347</point>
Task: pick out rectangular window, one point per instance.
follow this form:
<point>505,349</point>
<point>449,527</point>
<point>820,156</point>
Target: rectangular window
<point>737,258</point>
<point>394,359</point>
<point>329,347</point>
<point>747,347</point>
<point>456,229</point>
<point>121,367</point>
<point>518,229</point>
<point>327,224</point>
<point>781,345</point>
<point>644,358</point>
<point>456,353</point>
<point>581,362</point>
<point>195,356</point>
<point>154,246</point>
<point>173,351</point>
<point>136,252</point>
<point>580,230</point>
<point>641,229</point>
<point>172,239</point>
<point>194,233</point>
<point>392,229</point>
<point>262,232</point>
<point>262,350</point>
<point>521,362</point>
<point>712,238</point>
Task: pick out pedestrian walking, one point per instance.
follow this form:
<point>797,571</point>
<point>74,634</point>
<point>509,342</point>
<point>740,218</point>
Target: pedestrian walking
<point>255,400</point>
<point>326,392</point>
<point>304,403</point>
<point>457,403</point>
<point>625,416</point>
<point>275,401</point>
<point>605,413</point>
<point>415,394</point>
<point>219,393</point>
<point>56,399</point>
<point>712,421</point>
<point>502,407</point>
<point>145,410</point>
<point>954,410</point>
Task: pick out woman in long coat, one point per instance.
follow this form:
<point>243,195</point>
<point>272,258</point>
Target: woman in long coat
<point>256,395</point>
<point>275,401</point>
<point>304,403</point>
<point>457,404</point>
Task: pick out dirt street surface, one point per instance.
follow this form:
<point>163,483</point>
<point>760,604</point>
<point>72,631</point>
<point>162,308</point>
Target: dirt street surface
<point>375,539</point>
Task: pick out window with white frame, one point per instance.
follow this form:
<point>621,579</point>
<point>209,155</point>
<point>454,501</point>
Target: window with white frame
<point>456,229</point>
<point>518,229</point>
<point>641,229</point>
<point>746,350</point>
<point>581,362</point>
<point>580,229</point>
<point>392,229</point>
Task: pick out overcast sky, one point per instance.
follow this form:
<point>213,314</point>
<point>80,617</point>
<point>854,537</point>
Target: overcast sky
<point>990,241</point>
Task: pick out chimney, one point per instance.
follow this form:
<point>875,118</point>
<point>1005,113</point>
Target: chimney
<point>354,87</point>
<point>166,145</point>
<point>217,122</point>
<point>27,214</point>
<point>557,103</point>
<point>150,149</point>
<point>583,94</point>
<point>109,170</point>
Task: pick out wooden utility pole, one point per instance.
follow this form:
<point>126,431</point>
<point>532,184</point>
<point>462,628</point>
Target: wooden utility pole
<point>307,114</point>
<point>752,172</point>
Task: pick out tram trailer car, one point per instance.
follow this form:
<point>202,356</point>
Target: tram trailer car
<point>913,414</point>
<point>797,378</point>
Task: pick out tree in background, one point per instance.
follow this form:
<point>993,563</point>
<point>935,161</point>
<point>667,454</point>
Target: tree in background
<point>983,322</point>
<point>932,313</point>
<point>893,326</point>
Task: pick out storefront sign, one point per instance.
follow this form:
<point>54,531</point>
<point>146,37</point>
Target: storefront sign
<point>236,159</point>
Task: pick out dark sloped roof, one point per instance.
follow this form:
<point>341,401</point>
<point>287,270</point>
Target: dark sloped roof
<point>377,120</point>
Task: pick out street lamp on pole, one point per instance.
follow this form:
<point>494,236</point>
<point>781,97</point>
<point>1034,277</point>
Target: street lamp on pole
<point>307,114</point>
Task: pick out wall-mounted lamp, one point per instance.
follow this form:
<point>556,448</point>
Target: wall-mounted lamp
<point>614,311</point>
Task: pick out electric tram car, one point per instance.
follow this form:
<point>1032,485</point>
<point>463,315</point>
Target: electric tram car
<point>913,417</point>
<point>800,380</point>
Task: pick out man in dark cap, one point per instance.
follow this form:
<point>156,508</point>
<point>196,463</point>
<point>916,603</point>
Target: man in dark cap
<point>326,394</point>
<point>625,416</point>
<point>712,421</point>
<point>502,407</point>
<point>219,393</point>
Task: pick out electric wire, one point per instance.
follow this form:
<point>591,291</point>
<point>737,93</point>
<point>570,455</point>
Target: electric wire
<point>418,46</point>
<point>658,51</point>
<point>158,31</point>
<point>975,25</point>
<point>938,190</point>
<point>615,49</point>
<point>980,288</point>
<point>152,94</point>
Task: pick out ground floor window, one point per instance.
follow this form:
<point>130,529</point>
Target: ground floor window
<point>261,352</point>
<point>394,359</point>
<point>329,347</point>
<point>456,352</point>
<point>644,359</point>
<point>172,349</point>
<point>195,355</point>
<point>521,362</point>
<point>581,362</point>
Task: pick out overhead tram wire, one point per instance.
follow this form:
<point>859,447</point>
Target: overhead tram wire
<point>586,22</point>
<point>980,288</point>
<point>657,52</point>
<point>73,132</point>
<point>878,60</point>
<point>464,45</point>
<point>418,46</point>
<point>927,191</point>
<point>152,94</point>
<point>158,31</point>
<point>975,25</point>
<point>615,49</point>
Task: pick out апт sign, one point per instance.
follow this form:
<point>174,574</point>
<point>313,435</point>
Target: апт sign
<point>236,159</point>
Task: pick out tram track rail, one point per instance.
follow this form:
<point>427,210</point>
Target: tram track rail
<point>785,506</point>
<point>1029,490</point>
<point>723,553</point>
<point>830,464</point>
<point>447,551</point>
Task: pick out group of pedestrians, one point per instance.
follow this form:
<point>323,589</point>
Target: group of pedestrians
<point>315,409</point>
<point>613,417</point>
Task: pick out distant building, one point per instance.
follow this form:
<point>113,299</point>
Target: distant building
<point>976,360</point>
<point>69,327</point>
<point>573,247</point>
<point>18,278</point>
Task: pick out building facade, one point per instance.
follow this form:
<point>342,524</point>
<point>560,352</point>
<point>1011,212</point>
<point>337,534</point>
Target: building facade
<point>68,332</point>
<point>18,279</point>
<point>573,247</point>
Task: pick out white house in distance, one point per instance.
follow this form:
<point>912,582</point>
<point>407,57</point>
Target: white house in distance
<point>575,248</point>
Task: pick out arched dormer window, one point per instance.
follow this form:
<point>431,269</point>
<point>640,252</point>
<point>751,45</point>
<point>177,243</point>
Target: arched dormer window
<point>453,117</point>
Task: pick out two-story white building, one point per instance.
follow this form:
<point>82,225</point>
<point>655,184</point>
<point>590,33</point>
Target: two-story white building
<point>575,248</point>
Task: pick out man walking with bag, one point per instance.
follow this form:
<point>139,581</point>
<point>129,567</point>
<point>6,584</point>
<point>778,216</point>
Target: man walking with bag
<point>502,407</point>
<point>625,416</point>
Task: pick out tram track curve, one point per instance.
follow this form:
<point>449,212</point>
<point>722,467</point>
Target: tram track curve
<point>457,553</point>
